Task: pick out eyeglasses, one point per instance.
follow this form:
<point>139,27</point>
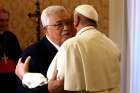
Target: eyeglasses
<point>60,24</point>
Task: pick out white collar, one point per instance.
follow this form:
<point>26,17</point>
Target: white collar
<point>55,45</point>
<point>84,29</point>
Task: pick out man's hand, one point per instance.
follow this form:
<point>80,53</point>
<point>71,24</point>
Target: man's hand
<point>54,85</point>
<point>22,68</point>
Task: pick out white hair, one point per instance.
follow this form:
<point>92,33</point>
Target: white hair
<point>51,10</point>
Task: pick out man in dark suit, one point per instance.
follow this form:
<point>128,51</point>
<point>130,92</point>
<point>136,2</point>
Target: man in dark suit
<point>58,27</point>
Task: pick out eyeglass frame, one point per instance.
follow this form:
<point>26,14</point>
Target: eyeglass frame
<point>60,24</point>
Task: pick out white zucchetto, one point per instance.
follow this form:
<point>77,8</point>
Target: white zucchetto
<point>87,11</point>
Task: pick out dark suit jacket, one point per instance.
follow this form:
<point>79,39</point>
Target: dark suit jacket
<point>10,47</point>
<point>41,54</point>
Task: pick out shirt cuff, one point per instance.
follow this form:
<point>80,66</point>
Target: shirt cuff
<point>33,80</point>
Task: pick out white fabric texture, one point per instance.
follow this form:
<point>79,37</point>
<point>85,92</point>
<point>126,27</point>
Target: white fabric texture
<point>87,62</point>
<point>90,62</point>
<point>55,45</point>
<point>87,11</point>
<point>32,80</point>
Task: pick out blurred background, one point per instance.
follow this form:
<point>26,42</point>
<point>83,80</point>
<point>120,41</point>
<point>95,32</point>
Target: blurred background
<point>25,27</point>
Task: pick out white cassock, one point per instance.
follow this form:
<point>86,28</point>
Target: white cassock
<point>88,62</point>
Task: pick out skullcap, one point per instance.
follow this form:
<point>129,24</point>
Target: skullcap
<point>87,11</point>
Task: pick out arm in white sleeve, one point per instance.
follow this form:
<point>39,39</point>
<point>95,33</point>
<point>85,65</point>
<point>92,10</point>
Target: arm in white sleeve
<point>57,64</point>
<point>33,80</point>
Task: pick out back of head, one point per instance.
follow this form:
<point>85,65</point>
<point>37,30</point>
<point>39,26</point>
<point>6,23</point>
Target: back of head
<point>49,11</point>
<point>87,11</point>
<point>87,14</point>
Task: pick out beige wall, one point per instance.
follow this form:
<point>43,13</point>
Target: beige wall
<point>24,27</point>
<point>118,32</point>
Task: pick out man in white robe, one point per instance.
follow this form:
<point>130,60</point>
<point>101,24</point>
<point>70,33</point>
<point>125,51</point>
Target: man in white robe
<point>88,62</point>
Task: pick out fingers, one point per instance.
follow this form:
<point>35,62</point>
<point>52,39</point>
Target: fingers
<point>54,76</point>
<point>19,61</point>
<point>56,86</point>
<point>18,69</point>
<point>22,68</point>
<point>17,66</point>
<point>26,64</point>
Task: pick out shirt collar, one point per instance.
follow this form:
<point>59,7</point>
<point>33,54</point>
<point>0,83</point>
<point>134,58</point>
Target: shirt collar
<point>84,29</point>
<point>55,45</point>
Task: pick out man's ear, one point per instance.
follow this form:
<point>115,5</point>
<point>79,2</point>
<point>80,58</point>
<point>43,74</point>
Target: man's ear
<point>76,20</point>
<point>45,30</point>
